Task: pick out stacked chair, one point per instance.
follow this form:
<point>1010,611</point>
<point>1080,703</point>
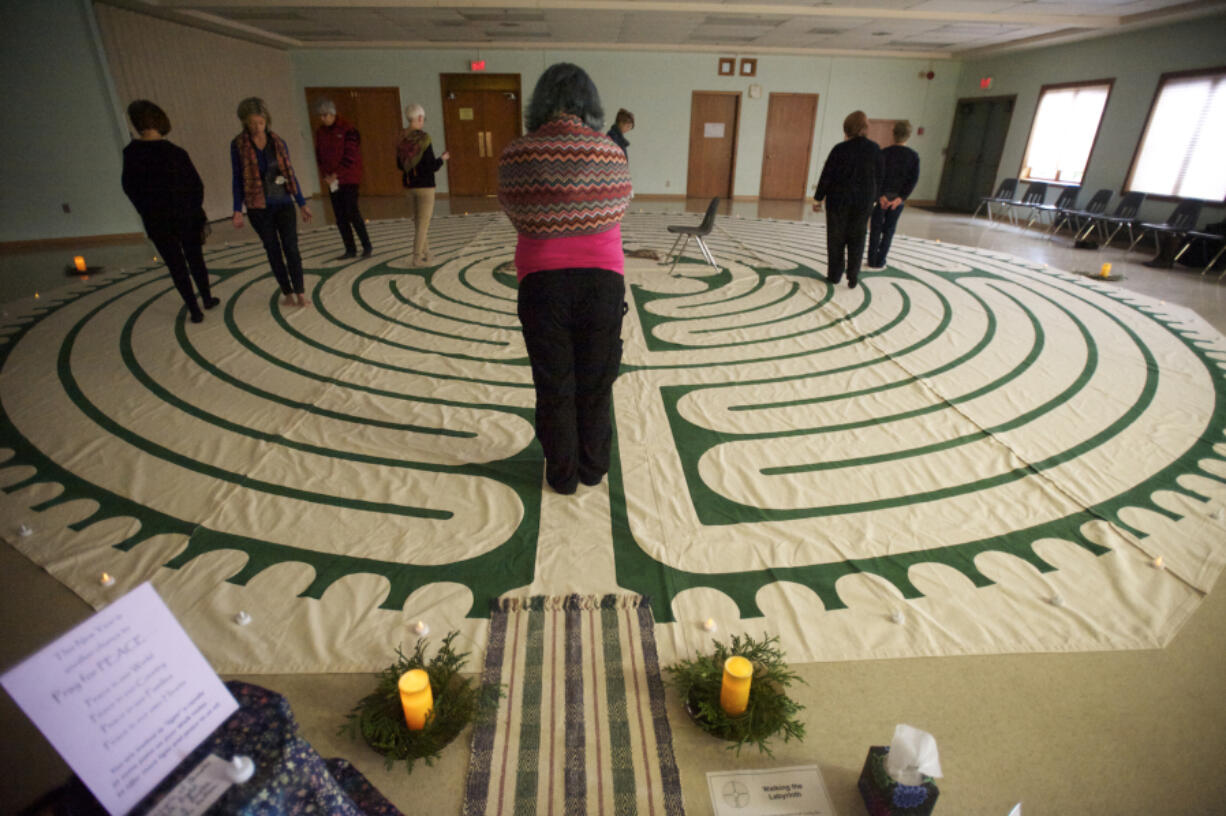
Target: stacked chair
<point>1003,197</point>
<point>1077,219</point>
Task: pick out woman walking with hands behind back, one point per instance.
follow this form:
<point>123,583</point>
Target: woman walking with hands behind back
<point>265,181</point>
<point>166,190</point>
<point>565,186</point>
<point>416,160</point>
<point>849,184</point>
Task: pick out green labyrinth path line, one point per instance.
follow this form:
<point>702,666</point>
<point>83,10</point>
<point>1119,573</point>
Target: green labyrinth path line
<point>966,437</point>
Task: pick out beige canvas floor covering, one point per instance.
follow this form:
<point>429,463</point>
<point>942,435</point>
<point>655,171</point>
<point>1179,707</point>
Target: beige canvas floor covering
<point>966,454</point>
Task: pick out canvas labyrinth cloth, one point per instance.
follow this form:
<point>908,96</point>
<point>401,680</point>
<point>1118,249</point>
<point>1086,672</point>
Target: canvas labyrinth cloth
<point>582,727</point>
<point>994,450</point>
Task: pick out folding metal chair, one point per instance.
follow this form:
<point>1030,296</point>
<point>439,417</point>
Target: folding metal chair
<point>1079,219</point>
<point>1004,196</point>
<point>685,233</point>
<point>1178,224</point>
<point>1035,195</point>
<point>1066,200</point>
<point>1125,216</point>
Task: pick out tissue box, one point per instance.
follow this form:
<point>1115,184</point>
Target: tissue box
<point>885,797</point>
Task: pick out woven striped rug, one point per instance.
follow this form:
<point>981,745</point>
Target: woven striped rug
<point>581,728</point>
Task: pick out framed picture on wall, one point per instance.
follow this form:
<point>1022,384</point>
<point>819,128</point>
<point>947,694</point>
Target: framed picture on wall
<point>749,67</point>
<point>727,66</point>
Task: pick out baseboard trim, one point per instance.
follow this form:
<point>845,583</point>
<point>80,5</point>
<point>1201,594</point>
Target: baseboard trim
<point>76,241</point>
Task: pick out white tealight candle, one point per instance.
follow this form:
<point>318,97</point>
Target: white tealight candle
<point>107,579</point>
<point>241,769</point>
<point>1056,600</point>
<point>421,628</point>
<point>896,616</point>
<point>25,531</point>
<point>709,625</point>
<point>242,618</point>
<point>1158,563</point>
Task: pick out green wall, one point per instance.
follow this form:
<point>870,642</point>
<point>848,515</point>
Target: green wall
<point>1135,60</point>
<point>656,86</point>
<point>63,140</point>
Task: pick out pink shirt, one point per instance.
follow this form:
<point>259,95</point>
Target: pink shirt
<point>600,251</point>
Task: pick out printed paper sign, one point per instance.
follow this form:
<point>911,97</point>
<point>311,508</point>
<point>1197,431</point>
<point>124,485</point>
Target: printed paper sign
<point>466,114</point>
<point>796,791</point>
<point>198,790</point>
<point>123,697</point>
<point>713,130</point>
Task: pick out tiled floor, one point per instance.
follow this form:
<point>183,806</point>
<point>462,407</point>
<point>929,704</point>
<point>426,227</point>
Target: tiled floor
<point>1137,732</point>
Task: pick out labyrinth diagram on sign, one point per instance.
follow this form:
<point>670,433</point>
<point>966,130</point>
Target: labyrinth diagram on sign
<point>968,453</point>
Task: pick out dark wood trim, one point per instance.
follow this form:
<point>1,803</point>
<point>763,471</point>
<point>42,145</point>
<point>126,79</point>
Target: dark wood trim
<point>1136,151</point>
<point>478,82</point>
<point>77,241</point>
<point>1059,86</point>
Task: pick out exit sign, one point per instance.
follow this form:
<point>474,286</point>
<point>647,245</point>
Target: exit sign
<point>985,83</point>
<point>477,65</point>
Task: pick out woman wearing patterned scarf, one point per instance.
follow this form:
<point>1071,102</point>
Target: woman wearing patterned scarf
<point>565,186</point>
<point>416,160</point>
<point>264,180</point>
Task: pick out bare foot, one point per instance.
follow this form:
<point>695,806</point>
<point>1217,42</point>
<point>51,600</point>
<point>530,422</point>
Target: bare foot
<point>302,301</point>
<point>289,301</point>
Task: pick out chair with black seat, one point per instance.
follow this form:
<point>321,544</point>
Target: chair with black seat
<point>1178,224</point>
<point>1004,197</point>
<point>1066,200</point>
<point>1036,194</point>
<point>1209,239</point>
<point>684,233</point>
<point>1084,218</point>
<point>1125,216</point>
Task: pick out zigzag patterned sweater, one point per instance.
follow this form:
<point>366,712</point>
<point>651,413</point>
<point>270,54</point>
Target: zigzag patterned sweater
<point>565,188</point>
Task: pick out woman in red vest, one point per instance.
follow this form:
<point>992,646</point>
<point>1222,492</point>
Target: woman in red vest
<point>338,150</point>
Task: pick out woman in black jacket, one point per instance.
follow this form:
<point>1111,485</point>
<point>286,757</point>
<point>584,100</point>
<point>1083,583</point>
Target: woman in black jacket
<point>166,190</point>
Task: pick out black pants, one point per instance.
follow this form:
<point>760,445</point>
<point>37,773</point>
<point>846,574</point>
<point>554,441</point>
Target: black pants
<point>348,219</point>
<point>279,232</point>
<point>846,231</point>
<point>881,233</point>
<point>572,322</point>
<point>184,257</point>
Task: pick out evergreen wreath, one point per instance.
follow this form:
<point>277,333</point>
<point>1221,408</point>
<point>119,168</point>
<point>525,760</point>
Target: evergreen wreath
<point>770,711</point>
<point>378,717</point>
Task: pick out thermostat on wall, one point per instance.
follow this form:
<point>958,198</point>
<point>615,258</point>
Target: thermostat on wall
<point>755,91</point>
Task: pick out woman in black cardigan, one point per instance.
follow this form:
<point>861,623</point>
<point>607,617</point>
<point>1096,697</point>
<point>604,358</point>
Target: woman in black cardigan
<point>166,190</point>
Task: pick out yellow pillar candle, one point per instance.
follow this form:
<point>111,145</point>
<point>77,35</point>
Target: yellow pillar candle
<point>734,691</point>
<point>1105,271</point>
<point>79,262</point>
<point>416,698</point>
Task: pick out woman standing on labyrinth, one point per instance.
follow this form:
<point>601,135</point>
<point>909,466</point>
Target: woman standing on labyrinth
<point>265,181</point>
<point>416,160</point>
<point>565,186</point>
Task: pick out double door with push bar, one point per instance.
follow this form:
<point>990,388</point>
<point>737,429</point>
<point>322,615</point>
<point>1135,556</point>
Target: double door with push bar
<point>481,114</point>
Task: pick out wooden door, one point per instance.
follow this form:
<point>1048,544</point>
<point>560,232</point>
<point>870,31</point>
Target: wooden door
<point>481,114</point>
<point>378,111</point>
<point>714,116</point>
<point>375,112</point>
<point>790,118</point>
<point>973,155</point>
<point>881,131</point>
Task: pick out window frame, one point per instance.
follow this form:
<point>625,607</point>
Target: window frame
<point>1153,103</point>
<point>1034,118</point>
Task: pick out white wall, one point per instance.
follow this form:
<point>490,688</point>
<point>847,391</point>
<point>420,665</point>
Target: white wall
<point>1135,60</point>
<point>61,141</point>
<point>656,86</point>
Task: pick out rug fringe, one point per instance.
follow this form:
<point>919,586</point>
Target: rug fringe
<point>540,603</point>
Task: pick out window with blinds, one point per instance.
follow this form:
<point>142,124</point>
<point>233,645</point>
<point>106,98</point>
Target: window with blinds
<point>1183,150</point>
<point>1064,130</point>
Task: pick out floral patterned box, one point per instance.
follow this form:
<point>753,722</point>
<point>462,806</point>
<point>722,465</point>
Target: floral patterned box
<point>885,797</point>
